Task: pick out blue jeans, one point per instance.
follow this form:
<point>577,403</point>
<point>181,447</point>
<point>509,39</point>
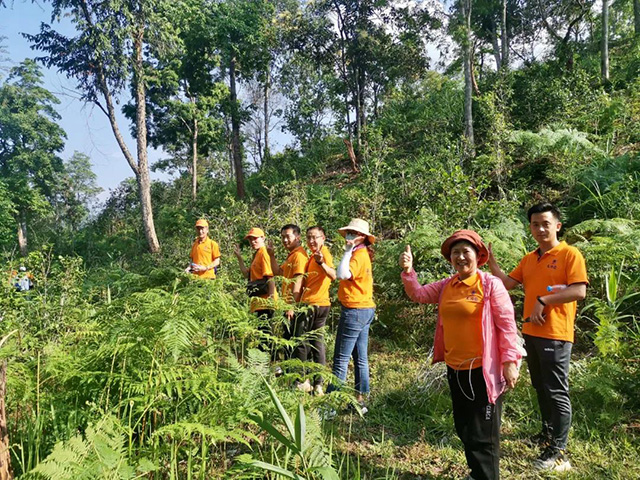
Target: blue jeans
<point>352,339</point>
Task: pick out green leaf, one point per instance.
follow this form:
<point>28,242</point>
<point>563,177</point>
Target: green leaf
<point>274,432</point>
<point>275,469</point>
<point>283,413</point>
<point>301,428</point>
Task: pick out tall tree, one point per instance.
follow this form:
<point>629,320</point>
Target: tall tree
<point>183,97</point>
<point>467,62</point>
<point>604,43</point>
<point>109,52</point>
<point>371,47</point>
<point>238,29</point>
<point>30,140</point>
<point>636,17</point>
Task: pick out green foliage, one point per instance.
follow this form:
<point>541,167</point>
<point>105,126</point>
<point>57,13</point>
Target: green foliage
<point>99,454</point>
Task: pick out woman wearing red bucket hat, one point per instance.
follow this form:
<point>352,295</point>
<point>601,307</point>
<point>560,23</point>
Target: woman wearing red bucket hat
<point>476,337</point>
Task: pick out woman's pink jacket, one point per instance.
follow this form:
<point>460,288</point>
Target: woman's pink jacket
<point>499,332</point>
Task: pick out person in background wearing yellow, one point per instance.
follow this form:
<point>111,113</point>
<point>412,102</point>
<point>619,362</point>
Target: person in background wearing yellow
<point>292,271</point>
<point>319,273</point>
<point>205,253</point>
<point>476,336</point>
<point>355,293</point>
<point>554,277</point>
<point>260,271</point>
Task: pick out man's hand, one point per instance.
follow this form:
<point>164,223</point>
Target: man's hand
<point>406,259</point>
<point>289,314</point>
<point>493,264</point>
<point>198,268</point>
<point>271,250</point>
<point>237,251</point>
<point>318,257</point>
<point>510,373</point>
<point>537,314</point>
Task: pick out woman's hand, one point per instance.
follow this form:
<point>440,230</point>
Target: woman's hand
<point>406,259</point>
<point>511,373</point>
<point>351,243</point>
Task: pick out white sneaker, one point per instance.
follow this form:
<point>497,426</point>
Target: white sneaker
<point>305,386</point>
<point>552,460</point>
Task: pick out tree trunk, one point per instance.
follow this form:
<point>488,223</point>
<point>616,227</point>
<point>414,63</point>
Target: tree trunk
<point>504,36</point>
<point>6,472</point>
<point>267,93</point>
<point>235,130</point>
<point>144,182</point>
<point>22,234</point>
<point>468,80</point>
<point>497,54</point>
<point>194,160</point>
<point>636,17</point>
<point>604,44</point>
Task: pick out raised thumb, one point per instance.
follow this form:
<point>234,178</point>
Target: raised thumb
<point>407,249</point>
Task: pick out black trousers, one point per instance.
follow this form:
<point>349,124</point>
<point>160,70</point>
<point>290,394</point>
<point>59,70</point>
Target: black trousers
<point>265,316</point>
<point>314,349</point>
<point>548,362</point>
<point>477,422</point>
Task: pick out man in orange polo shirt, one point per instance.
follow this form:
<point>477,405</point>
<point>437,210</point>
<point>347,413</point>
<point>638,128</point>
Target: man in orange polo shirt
<point>205,253</point>
<point>554,278</point>
<point>292,271</point>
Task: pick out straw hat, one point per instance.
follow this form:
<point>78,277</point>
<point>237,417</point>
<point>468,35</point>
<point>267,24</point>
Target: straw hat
<point>470,236</point>
<point>360,226</point>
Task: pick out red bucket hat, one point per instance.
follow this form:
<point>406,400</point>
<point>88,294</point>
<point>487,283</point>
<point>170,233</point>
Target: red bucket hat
<point>470,236</point>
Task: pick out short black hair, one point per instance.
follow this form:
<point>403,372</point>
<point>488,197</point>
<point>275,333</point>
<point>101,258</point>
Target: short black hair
<point>291,226</point>
<point>317,227</point>
<point>542,208</point>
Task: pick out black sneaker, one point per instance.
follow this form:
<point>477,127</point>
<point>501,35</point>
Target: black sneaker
<point>552,460</point>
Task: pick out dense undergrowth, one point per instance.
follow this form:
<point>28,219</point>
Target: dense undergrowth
<point>121,366</point>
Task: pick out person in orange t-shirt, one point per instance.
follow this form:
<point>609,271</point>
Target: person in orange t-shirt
<point>355,293</point>
<point>260,268</point>
<point>319,273</point>
<point>292,271</point>
<point>205,253</point>
<point>554,278</point>
<point>476,336</point>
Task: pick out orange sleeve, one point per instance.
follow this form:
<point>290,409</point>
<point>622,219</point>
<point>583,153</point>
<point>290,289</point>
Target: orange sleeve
<point>299,264</point>
<point>576,268</point>
<point>328,258</point>
<point>215,250</point>
<point>357,267</point>
<point>265,264</point>
<point>516,273</point>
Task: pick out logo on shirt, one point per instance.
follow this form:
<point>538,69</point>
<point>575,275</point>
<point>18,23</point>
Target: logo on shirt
<point>474,297</point>
<point>553,264</point>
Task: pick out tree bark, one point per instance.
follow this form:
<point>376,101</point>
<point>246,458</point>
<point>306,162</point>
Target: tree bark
<point>144,182</point>
<point>497,54</point>
<point>604,44</point>
<point>6,473</point>
<point>22,234</point>
<point>235,130</point>
<point>504,36</point>
<point>267,92</point>
<point>468,80</point>
<point>636,17</point>
<point>194,160</point>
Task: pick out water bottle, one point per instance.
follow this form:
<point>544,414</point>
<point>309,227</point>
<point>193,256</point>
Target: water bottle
<point>555,288</point>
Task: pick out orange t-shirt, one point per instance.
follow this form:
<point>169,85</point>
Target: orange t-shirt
<point>358,291</point>
<point>292,266</point>
<point>317,283</point>
<point>204,254</point>
<point>562,265</point>
<point>460,309</point>
<point>260,268</point>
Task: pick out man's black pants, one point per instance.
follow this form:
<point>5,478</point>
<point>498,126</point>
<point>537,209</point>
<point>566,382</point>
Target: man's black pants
<point>548,362</point>
<point>477,422</point>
